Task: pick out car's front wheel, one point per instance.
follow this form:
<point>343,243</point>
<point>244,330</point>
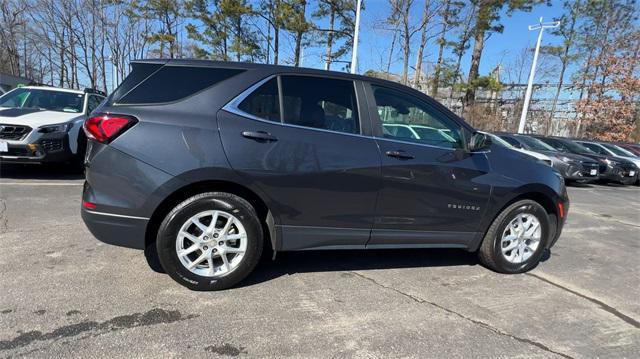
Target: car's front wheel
<point>210,241</point>
<point>516,240</point>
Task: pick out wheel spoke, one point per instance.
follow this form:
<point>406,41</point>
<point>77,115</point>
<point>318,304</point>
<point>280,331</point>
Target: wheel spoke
<point>233,250</point>
<point>510,246</point>
<point>190,237</point>
<point>199,224</point>
<point>225,261</point>
<point>197,261</point>
<point>193,248</point>
<point>227,226</point>
<point>214,220</point>
<point>211,267</point>
<point>236,236</point>
<point>531,230</point>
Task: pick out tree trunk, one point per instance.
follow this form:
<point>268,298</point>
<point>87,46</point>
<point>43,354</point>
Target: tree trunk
<point>276,44</point>
<point>299,35</point>
<point>393,46</point>
<point>423,43</point>
<point>328,52</point>
<point>478,46</point>
<point>406,48</point>
<point>441,44</point>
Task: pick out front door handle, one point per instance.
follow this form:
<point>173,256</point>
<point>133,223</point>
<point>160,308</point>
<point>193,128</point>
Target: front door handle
<point>259,136</point>
<point>400,154</point>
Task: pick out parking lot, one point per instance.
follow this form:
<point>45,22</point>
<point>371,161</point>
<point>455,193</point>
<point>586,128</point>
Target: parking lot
<point>63,293</point>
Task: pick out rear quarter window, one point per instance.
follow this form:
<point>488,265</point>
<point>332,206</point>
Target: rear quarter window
<point>173,83</point>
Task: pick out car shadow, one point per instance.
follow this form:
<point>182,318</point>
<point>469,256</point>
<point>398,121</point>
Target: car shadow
<point>288,263</point>
<point>40,172</point>
<point>579,184</point>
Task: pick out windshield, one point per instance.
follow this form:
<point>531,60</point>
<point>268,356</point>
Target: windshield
<point>617,150</point>
<point>498,140</point>
<point>576,148</point>
<point>536,144</point>
<point>43,100</point>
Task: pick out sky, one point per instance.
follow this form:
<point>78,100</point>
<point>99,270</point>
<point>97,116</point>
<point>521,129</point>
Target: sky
<point>499,48</point>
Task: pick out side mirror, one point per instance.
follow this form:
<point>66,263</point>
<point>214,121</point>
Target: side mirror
<point>478,142</point>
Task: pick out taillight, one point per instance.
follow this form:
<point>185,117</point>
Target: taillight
<point>105,127</point>
<point>89,205</point>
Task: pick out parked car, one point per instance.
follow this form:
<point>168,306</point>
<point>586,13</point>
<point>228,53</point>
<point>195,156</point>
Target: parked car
<point>631,147</point>
<point>619,155</point>
<point>208,162</point>
<point>611,169</point>
<point>539,156</point>
<point>41,124</point>
<point>572,167</point>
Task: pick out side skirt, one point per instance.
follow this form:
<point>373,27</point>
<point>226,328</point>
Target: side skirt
<point>297,238</point>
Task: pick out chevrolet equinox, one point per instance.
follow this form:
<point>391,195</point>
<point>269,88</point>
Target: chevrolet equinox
<point>209,162</point>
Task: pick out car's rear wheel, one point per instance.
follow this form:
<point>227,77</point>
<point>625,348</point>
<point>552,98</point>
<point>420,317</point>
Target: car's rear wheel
<point>516,240</point>
<point>210,241</point>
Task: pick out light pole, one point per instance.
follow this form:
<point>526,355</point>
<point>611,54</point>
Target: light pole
<point>354,53</point>
<point>527,97</point>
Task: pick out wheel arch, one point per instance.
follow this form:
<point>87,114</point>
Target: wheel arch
<point>540,194</point>
<point>186,191</point>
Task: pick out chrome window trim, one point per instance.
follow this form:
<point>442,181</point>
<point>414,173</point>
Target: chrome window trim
<point>417,143</point>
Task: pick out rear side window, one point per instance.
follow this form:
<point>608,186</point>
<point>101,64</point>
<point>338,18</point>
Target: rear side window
<point>138,73</point>
<point>317,102</point>
<point>172,83</point>
<point>263,103</point>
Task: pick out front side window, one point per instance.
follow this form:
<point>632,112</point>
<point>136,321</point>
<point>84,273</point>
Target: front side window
<point>263,102</point>
<point>317,102</point>
<point>408,118</point>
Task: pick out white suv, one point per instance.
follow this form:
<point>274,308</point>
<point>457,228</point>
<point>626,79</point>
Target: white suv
<point>44,124</point>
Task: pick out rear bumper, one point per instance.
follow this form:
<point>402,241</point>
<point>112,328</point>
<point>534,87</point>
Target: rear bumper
<point>119,230</point>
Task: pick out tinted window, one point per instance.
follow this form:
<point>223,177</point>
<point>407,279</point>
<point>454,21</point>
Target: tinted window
<point>408,118</point>
<point>594,148</point>
<point>511,141</point>
<point>93,102</point>
<point>320,103</point>
<point>263,102</point>
<point>139,72</point>
<point>172,83</point>
<point>535,144</point>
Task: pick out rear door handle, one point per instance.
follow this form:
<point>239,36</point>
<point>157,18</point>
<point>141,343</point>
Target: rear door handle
<point>259,135</point>
<point>399,154</point>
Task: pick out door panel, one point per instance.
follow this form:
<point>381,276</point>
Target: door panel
<point>313,178</point>
<point>430,183</point>
<point>435,190</point>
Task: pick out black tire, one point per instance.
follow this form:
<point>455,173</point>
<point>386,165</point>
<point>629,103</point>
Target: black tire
<point>490,252</point>
<point>167,233</point>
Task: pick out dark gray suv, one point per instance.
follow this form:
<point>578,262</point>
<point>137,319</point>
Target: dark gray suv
<point>209,162</point>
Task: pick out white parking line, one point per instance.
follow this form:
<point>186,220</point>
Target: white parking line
<point>40,184</point>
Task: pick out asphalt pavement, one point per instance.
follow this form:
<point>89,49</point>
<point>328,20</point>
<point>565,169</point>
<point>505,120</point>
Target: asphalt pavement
<point>64,294</point>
